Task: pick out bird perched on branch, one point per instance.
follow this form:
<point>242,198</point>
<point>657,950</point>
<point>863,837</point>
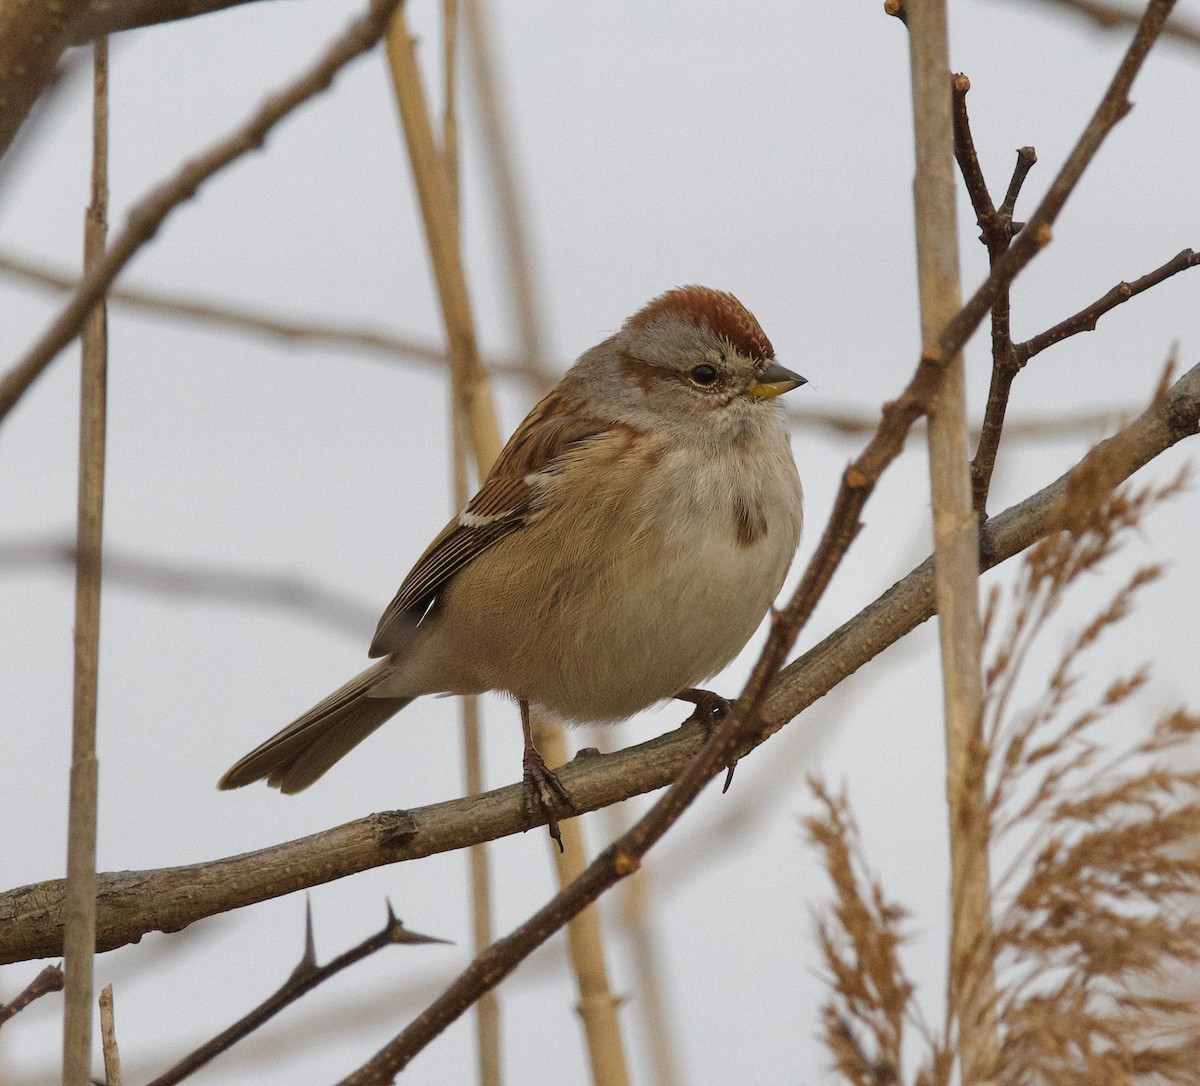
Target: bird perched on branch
<point>622,549</point>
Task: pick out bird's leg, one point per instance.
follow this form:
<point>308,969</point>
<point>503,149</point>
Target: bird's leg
<point>543,790</point>
<point>711,709</point>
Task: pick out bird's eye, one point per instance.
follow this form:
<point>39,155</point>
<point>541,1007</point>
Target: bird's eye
<point>703,375</point>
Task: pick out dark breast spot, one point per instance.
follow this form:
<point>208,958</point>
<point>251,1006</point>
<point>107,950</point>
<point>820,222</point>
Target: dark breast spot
<point>749,522</point>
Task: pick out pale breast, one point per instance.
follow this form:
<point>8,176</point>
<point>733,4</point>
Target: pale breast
<point>626,591</point>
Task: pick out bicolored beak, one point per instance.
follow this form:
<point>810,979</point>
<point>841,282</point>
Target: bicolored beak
<point>774,381</point>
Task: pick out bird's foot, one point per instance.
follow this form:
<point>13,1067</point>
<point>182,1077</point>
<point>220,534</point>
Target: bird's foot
<point>545,795</point>
<point>711,709</point>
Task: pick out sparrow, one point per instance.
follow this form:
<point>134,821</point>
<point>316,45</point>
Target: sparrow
<point>622,550</point>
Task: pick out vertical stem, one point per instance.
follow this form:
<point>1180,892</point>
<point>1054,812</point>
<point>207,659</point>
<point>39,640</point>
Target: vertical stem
<point>487,1010</point>
<point>471,388</point>
<point>956,548</point>
<point>79,938</point>
<point>597,1005</point>
<point>108,1035</point>
<point>450,99</point>
<point>474,424</point>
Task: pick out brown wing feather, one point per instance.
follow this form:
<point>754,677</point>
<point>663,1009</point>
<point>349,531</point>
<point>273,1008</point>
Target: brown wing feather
<point>499,508</point>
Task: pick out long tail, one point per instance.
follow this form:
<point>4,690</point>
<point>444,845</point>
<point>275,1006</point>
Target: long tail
<point>306,748</point>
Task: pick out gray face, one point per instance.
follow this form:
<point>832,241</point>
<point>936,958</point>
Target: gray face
<point>685,372</point>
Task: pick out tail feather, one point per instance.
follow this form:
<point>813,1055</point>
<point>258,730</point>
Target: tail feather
<point>306,748</point>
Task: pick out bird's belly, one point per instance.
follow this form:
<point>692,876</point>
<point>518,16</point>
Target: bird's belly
<point>602,623</point>
<point>663,630</point>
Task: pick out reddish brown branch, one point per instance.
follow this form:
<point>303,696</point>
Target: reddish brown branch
<point>1088,317</point>
<point>996,231</point>
<point>1036,234</point>
<point>49,980</point>
<point>968,160</point>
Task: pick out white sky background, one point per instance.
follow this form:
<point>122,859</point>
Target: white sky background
<point>764,149</point>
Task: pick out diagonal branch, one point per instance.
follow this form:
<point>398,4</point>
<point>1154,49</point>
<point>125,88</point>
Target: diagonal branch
<point>132,903</point>
<point>1088,317</point>
<point>295,329</point>
<point>1108,16</point>
<point>305,977</point>
<point>148,215</point>
<point>49,980</point>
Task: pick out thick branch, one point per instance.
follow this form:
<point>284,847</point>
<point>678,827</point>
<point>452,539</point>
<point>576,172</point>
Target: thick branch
<point>112,16</point>
<point>32,39</point>
<point>132,903</point>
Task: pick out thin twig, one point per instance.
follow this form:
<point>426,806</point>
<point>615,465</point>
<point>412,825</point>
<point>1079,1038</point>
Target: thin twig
<point>305,977</point>
<point>293,329</point>
<point>1088,317</point>
<point>843,422</point>
<point>133,903</point>
<point>968,158</point>
<point>108,1038</point>
<point>190,580</point>
<point>148,215</point>
<point>1037,233</point>
<point>996,232</point>
<point>79,940</point>
<point>1005,366</point>
<point>971,980</point>
<point>48,980</point>
<point>1112,17</point>
<point>487,1010</point>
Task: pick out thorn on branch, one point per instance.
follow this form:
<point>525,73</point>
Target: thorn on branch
<point>897,9</point>
<point>304,978</point>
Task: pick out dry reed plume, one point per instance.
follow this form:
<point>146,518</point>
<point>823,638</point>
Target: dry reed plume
<point>1095,916</point>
